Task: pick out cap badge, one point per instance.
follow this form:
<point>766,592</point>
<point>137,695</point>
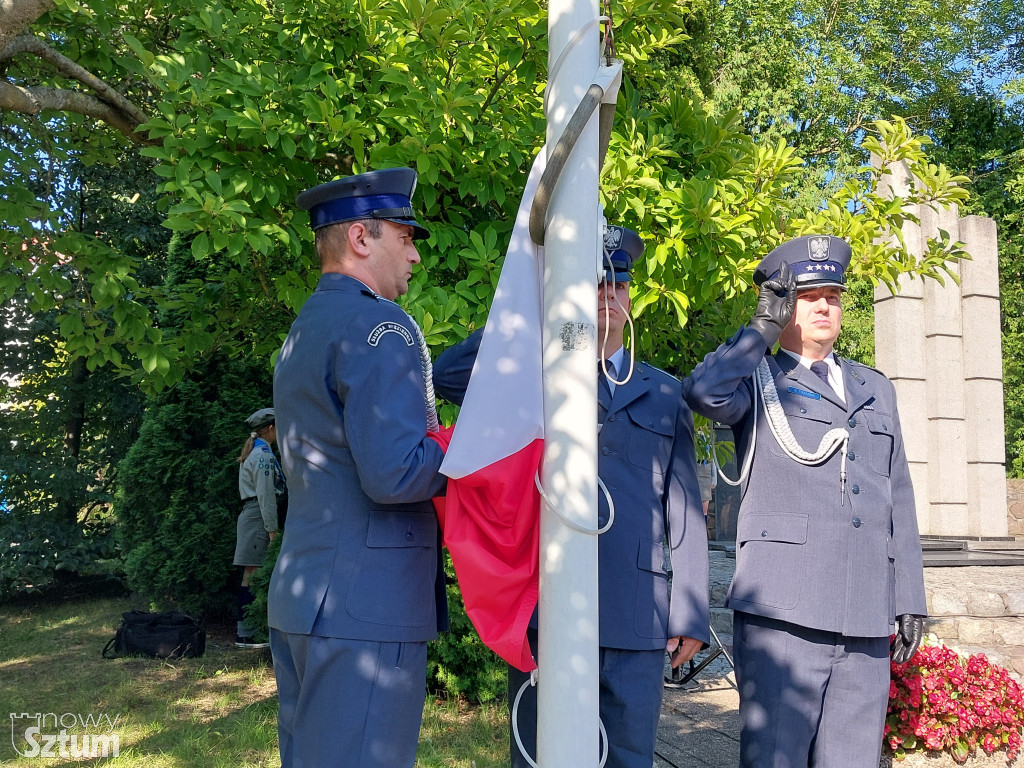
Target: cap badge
<point>612,238</point>
<point>818,248</point>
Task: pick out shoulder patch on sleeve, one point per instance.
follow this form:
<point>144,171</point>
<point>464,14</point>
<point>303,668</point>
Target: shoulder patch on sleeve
<point>389,326</point>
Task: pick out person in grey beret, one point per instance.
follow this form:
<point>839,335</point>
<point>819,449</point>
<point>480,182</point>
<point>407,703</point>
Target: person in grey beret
<point>260,485</point>
<point>358,588</point>
<point>828,558</point>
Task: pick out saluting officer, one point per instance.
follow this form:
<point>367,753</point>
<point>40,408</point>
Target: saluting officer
<point>646,459</point>
<point>358,589</point>
<point>827,550</point>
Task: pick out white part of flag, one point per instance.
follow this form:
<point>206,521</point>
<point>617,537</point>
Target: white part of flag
<point>503,410</point>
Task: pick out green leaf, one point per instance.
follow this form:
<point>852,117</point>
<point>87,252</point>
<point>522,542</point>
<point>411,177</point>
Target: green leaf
<point>201,246</point>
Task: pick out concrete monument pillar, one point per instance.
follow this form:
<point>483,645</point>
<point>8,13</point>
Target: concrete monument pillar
<point>941,346</point>
<point>900,351</point>
<point>983,380</point>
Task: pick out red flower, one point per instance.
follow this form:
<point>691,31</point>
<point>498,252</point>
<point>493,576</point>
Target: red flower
<point>940,701</point>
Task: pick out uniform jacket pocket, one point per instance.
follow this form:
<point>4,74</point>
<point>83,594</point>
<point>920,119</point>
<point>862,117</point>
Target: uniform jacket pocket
<point>768,561</point>
<point>772,527</point>
<point>650,437</point>
<point>399,559</point>
<point>651,600</point>
<point>391,529</point>
<point>799,407</point>
<point>880,426</point>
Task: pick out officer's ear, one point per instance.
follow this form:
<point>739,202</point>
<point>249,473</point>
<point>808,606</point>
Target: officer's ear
<point>358,237</point>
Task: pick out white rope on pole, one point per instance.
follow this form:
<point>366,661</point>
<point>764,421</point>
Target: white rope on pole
<point>532,680</point>
<point>571,523</point>
<point>629,319</point>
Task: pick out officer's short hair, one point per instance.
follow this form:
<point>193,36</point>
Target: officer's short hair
<point>330,241</point>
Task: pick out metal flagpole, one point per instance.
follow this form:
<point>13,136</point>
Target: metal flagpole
<point>567,694</point>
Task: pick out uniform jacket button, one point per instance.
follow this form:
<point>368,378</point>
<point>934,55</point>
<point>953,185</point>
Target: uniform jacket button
<point>853,421</point>
<point>803,410</point>
<point>612,417</point>
<point>763,534</point>
<point>856,489</point>
<point>604,451</point>
<point>408,535</point>
<point>856,522</point>
<point>853,456</point>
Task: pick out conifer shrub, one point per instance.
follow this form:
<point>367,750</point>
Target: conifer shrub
<point>177,503</point>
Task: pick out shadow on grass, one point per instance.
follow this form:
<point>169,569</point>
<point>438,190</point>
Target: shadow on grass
<point>217,710</point>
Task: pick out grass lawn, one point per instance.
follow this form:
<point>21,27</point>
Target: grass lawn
<point>217,711</point>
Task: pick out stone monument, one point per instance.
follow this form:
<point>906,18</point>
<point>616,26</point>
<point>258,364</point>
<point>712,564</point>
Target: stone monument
<point>941,346</point>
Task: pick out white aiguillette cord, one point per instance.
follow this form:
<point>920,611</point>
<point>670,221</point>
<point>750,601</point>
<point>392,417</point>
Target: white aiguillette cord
<point>764,385</point>
<point>427,368</point>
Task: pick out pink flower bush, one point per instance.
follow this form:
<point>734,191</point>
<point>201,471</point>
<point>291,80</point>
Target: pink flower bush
<point>942,701</point>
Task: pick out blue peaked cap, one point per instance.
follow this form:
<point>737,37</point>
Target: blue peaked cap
<point>622,248</point>
<point>384,194</point>
<point>816,260</point>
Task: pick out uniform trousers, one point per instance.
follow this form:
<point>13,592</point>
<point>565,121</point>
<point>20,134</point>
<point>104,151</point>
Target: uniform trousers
<point>630,684</point>
<point>808,698</point>
<point>351,703</point>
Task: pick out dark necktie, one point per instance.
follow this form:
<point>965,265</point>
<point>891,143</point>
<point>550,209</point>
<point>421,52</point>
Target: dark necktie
<point>604,392</point>
<point>820,368</point>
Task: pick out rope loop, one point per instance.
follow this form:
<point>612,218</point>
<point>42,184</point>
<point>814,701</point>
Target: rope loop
<point>532,680</point>
<point>831,441</point>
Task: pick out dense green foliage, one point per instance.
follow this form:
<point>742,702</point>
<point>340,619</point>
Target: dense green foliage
<point>815,73</point>
<point>458,663</point>
<point>177,501</point>
<point>246,105</point>
<point>68,422</point>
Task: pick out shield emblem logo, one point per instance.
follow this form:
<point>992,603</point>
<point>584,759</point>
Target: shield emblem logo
<point>612,238</point>
<point>817,248</point>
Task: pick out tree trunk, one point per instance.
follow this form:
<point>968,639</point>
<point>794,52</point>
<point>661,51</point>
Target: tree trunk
<point>74,424</point>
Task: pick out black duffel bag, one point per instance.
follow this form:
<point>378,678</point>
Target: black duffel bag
<point>167,635</point>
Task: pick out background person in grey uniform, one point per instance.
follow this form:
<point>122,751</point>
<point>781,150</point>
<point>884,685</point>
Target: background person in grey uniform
<point>358,588</point>
<point>647,461</point>
<point>828,556</point>
<point>260,484</point>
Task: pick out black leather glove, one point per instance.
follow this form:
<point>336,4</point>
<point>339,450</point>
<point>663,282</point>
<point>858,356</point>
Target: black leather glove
<point>909,631</point>
<point>775,305</point>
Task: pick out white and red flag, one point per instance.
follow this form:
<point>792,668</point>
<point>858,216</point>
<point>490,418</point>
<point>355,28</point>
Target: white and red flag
<point>490,515</point>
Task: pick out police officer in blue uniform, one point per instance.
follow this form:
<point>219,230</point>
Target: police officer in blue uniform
<point>646,458</point>
<point>828,557</point>
<point>358,588</point>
